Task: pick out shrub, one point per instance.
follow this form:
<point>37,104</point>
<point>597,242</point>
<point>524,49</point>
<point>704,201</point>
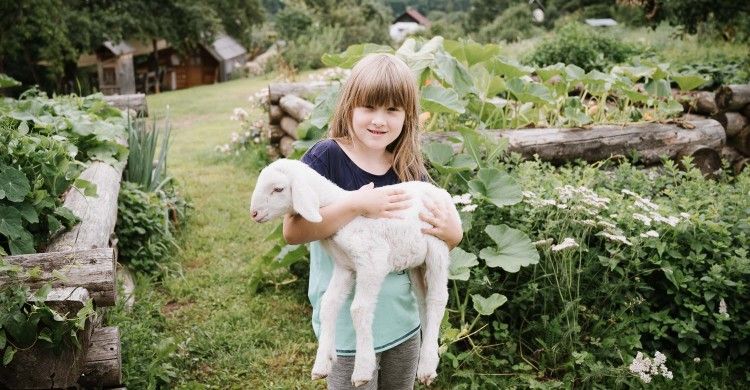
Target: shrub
<point>143,229</point>
<point>581,45</point>
<point>292,22</point>
<point>514,24</point>
<point>306,51</point>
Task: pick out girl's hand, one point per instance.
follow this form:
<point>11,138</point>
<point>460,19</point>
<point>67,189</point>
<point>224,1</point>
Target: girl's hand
<point>373,202</point>
<point>445,225</point>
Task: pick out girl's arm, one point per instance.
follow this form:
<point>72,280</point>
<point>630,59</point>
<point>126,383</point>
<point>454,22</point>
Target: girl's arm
<point>367,202</point>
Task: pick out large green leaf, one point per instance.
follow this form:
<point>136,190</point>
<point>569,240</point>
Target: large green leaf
<point>496,186</point>
<point>530,92</point>
<point>13,184</point>
<point>454,73</point>
<point>418,54</point>
<point>470,52</point>
<point>325,104</point>
<point>7,81</point>
<point>10,222</point>
<point>507,68</point>
<point>438,153</point>
<point>23,244</point>
<point>550,71</point>
<point>689,82</point>
<point>486,306</point>
<point>354,53</point>
<point>438,99</point>
<point>487,84</point>
<point>513,251</point>
<point>634,73</point>
<point>461,263</point>
<point>659,88</point>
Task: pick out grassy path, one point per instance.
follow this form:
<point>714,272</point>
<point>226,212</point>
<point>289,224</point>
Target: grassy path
<point>212,331</point>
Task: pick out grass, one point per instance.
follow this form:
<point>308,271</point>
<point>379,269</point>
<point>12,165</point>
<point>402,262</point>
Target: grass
<point>201,326</point>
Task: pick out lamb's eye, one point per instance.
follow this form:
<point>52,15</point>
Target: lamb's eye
<point>278,189</point>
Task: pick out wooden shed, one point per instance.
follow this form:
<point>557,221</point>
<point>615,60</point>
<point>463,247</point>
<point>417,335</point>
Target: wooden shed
<point>126,67</point>
<point>410,22</point>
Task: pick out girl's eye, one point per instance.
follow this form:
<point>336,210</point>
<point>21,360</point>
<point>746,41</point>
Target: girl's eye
<point>394,109</point>
<point>278,189</point>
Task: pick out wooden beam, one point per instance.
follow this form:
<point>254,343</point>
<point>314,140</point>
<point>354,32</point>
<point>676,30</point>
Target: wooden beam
<point>98,214</point>
<point>599,142</point>
<point>92,269</point>
<point>103,362</point>
<point>136,102</point>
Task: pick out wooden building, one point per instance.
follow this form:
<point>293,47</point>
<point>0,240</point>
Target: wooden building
<point>126,67</point>
<point>410,22</point>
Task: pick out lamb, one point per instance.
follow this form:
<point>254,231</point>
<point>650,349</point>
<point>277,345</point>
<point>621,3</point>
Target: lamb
<point>358,248</point>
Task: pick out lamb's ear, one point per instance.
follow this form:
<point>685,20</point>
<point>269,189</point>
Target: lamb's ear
<point>305,201</point>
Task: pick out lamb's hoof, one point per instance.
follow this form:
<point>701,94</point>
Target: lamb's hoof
<point>321,368</point>
<point>362,375</point>
<point>427,378</point>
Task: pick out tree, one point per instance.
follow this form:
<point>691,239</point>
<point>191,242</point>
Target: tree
<point>726,15</point>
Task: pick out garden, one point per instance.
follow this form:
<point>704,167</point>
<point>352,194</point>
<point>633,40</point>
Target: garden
<point>601,176</point>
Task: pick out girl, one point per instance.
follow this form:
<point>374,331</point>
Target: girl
<point>373,141</point>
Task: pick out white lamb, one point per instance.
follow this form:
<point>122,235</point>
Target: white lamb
<point>359,250</point>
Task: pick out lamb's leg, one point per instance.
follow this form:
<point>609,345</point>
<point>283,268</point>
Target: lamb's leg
<point>330,304</point>
<point>437,263</point>
<point>368,284</point>
<point>416,275</point>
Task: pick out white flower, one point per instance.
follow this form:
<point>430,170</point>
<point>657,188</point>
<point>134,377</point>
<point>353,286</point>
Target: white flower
<point>607,224</point>
<point>567,243</point>
<point>697,360</point>
<point>616,237</point>
<point>235,136</point>
<point>469,208</point>
<point>650,233</point>
<point>723,308</point>
<point>645,368</point>
<point>646,220</point>
<point>685,215</point>
<point>528,194</point>
<point>239,114</point>
<point>542,242</point>
<point>462,199</point>
<point>671,221</point>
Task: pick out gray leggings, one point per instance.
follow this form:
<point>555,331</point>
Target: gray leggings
<point>396,368</point>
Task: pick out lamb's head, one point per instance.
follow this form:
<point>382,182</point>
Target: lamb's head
<point>282,188</point>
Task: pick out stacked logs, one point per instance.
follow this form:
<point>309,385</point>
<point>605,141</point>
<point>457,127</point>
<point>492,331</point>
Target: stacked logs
<point>287,108</point>
<point>730,106</point>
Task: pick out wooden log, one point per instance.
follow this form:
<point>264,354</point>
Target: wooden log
<point>136,102</point>
<point>285,146</point>
<point>595,143</point>
<point>746,111</point>
<point>304,90</point>
<point>732,122</point>
<point>741,141</point>
<point>274,133</point>
<point>733,97</point>
<point>701,102</point>
<point>103,362</point>
<point>289,125</point>
<point>297,107</point>
<point>92,269</point>
<point>274,114</point>
<point>740,165</point>
<point>706,159</point>
<point>38,367</point>
<point>730,154</point>
<point>98,214</point>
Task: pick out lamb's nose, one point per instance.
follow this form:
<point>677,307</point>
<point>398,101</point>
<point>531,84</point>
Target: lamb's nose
<point>255,213</point>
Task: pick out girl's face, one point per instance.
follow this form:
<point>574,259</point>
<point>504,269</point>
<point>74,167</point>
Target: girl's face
<point>377,127</point>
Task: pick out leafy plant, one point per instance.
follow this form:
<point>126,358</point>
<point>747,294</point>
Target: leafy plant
<point>26,321</point>
<point>143,141</point>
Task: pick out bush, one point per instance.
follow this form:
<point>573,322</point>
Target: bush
<point>292,22</point>
<point>143,229</point>
<point>581,45</point>
<point>306,51</point>
<point>514,24</point>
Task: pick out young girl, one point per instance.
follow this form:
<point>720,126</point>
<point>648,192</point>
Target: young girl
<point>373,142</point>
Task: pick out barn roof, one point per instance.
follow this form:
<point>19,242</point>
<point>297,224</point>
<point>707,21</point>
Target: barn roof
<point>225,48</point>
<point>412,14</point>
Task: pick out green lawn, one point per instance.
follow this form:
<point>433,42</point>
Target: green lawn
<point>202,327</point>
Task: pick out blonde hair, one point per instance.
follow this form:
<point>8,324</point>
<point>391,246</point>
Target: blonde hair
<point>384,80</point>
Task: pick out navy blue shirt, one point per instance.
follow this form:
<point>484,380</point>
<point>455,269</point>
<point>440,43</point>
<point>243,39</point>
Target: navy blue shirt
<point>329,160</point>
<point>396,314</point>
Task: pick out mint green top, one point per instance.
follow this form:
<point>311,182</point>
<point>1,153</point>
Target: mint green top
<point>396,313</point>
